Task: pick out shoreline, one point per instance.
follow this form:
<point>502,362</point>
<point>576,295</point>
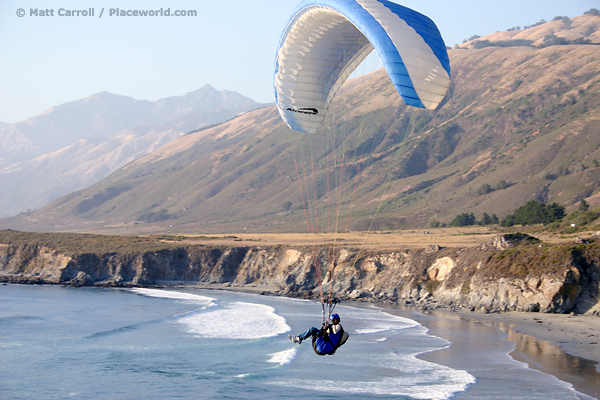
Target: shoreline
<point>563,352</point>
<point>577,335</point>
<point>560,345</point>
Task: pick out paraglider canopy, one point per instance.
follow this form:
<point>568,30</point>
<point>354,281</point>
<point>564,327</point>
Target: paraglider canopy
<point>325,40</point>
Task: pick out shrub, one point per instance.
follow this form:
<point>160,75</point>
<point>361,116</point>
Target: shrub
<point>553,40</point>
<point>486,219</point>
<point>464,219</point>
<point>535,212</point>
<point>155,216</point>
<point>77,243</point>
<point>540,22</point>
<point>502,185</point>
<point>431,285</point>
<point>484,189</point>
<point>480,44</point>
<point>582,217</point>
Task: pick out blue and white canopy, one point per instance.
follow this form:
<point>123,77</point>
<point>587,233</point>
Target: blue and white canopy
<point>325,40</point>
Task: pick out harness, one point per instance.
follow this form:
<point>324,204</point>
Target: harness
<point>325,335</point>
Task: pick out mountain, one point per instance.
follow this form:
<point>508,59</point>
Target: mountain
<point>520,123</point>
<point>2,126</point>
<point>104,115</point>
<point>76,144</point>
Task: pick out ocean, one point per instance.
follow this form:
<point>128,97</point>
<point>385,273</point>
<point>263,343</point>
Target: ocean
<point>91,343</point>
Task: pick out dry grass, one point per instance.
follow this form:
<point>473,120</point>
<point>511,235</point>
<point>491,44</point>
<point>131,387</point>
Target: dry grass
<point>374,241</point>
<point>383,241</point>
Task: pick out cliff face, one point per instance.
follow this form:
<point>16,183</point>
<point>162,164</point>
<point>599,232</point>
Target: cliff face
<point>507,274</point>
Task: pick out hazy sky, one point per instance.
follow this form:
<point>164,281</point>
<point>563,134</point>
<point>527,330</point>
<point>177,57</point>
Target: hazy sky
<point>49,60</point>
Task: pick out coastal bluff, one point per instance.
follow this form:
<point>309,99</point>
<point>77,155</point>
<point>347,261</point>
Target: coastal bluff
<point>513,272</point>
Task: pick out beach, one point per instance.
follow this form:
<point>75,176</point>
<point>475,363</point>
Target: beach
<point>564,346</point>
<point>577,335</point>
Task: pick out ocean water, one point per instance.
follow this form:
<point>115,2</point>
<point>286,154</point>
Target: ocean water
<point>90,343</point>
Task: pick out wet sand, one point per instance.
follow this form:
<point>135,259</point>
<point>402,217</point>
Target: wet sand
<point>577,335</point>
<point>559,345</point>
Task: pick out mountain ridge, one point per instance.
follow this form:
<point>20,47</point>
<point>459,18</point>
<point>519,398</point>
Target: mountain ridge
<point>96,136</point>
<point>110,113</point>
<point>583,27</point>
<point>522,120</point>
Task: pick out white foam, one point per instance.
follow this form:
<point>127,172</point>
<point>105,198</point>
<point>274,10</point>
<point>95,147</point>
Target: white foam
<point>371,330</point>
<point>413,377</point>
<point>415,388</point>
<point>167,294</point>
<point>10,345</point>
<point>283,357</point>
<point>237,321</point>
<point>395,372</point>
<point>377,326</point>
<point>378,321</point>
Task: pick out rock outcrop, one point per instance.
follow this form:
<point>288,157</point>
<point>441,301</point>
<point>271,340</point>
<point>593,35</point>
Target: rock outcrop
<point>510,273</point>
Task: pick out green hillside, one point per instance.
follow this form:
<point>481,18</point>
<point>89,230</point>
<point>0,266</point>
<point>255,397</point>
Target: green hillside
<point>520,123</point>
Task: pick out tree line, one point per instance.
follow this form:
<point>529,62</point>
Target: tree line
<point>532,213</point>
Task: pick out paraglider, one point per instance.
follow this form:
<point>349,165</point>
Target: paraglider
<point>321,45</point>
<point>326,40</point>
<point>328,339</point>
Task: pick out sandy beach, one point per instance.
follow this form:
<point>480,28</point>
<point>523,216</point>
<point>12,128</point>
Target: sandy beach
<point>577,335</point>
<point>563,346</point>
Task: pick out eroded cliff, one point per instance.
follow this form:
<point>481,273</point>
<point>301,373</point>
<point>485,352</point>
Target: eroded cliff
<point>511,272</point>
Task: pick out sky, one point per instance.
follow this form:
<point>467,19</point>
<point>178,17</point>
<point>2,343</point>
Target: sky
<point>49,60</point>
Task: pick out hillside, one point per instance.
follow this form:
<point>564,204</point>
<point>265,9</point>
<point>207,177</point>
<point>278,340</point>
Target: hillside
<point>523,120</point>
<point>74,145</point>
<point>579,29</point>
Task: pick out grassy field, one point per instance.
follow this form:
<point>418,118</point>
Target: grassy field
<point>384,241</point>
<point>374,241</point>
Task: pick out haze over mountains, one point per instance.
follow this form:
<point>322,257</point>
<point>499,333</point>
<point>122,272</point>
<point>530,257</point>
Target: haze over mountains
<point>520,123</point>
<point>76,144</point>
